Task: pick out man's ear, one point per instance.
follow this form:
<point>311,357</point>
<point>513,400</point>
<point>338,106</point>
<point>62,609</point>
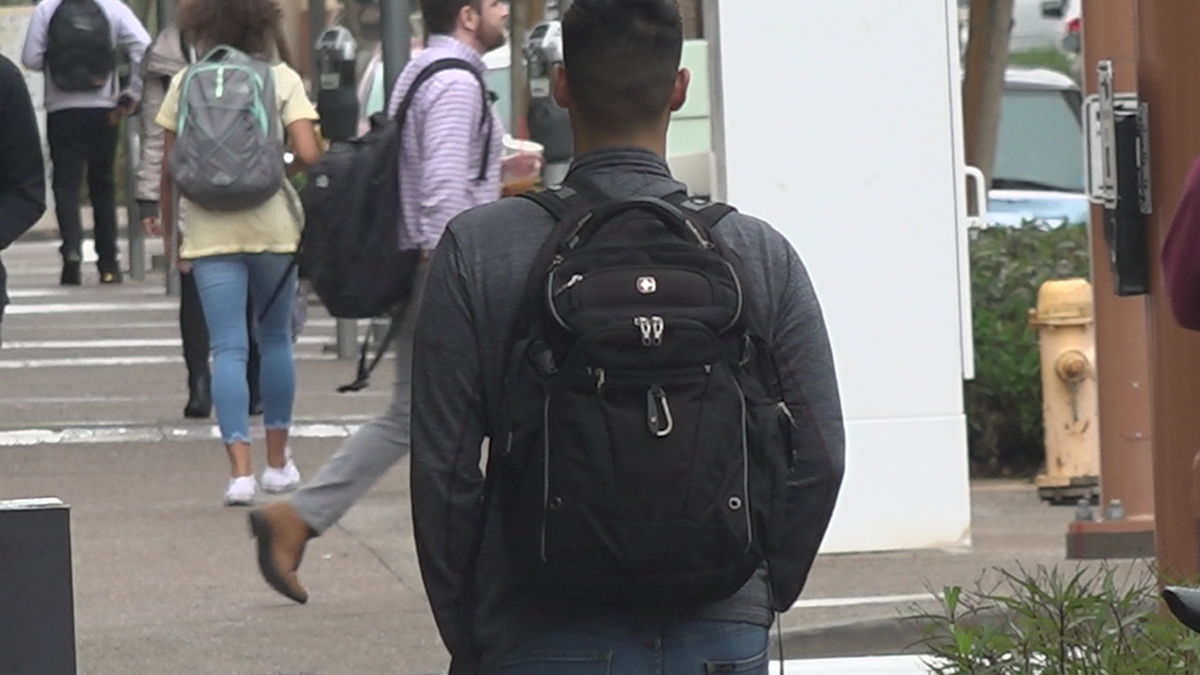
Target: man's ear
<point>469,19</point>
<point>679,94</point>
<point>559,87</point>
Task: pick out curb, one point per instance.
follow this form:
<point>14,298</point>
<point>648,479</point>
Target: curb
<point>869,637</point>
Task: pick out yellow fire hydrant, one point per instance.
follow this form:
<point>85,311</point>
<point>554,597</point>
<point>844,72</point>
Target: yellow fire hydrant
<point>1066,328</point>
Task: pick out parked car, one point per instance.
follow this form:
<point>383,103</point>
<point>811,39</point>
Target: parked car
<point>1038,177</point>
<point>1032,28</point>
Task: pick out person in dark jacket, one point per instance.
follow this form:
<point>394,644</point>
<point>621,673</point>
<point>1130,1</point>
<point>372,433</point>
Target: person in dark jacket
<point>620,82</point>
<point>1181,254</point>
<point>22,173</point>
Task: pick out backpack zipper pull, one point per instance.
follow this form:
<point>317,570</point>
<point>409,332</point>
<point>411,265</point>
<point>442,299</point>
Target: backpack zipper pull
<point>575,279</point>
<point>644,324</point>
<point>220,90</point>
<point>658,325</point>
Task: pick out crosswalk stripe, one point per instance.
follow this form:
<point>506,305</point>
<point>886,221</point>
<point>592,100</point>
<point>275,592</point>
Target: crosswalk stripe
<point>139,343</point>
<point>17,309</point>
<point>115,361</point>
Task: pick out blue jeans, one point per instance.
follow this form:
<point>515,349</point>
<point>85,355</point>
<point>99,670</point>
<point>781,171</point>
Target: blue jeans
<point>642,648</point>
<point>223,282</point>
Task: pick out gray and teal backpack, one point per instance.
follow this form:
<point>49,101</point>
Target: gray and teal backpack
<point>228,151</point>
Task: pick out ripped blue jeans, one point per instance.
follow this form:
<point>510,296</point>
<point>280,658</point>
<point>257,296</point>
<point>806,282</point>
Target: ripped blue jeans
<point>224,282</point>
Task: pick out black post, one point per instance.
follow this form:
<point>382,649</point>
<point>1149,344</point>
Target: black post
<point>166,13</point>
<point>37,597</point>
<point>396,36</point>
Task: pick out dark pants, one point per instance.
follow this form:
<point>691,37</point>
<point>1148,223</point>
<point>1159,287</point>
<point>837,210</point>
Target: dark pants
<point>195,334</point>
<point>84,138</point>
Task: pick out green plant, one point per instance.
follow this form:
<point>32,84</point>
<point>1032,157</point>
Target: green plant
<point>1042,58</point>
<point>1004,401</point>
<point>1093,621</point>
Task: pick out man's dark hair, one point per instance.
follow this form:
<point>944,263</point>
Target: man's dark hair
<point>622,57</point>
<point>441,16</point>
<point>248,25</point>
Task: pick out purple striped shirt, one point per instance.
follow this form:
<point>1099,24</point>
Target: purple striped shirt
<point>442,145</point>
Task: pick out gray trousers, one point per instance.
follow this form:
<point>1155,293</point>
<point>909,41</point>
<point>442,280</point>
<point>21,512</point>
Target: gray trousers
<point>368,454</point>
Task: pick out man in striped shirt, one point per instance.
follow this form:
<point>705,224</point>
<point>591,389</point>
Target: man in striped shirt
<point>449,162</point>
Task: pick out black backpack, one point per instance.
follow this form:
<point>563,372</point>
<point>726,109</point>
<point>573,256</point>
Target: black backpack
<point>643,454</point>
<point>349,250</point>
<point>80,55</point>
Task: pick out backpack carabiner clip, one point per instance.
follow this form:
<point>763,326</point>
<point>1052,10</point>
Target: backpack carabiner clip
<point>658,413</point>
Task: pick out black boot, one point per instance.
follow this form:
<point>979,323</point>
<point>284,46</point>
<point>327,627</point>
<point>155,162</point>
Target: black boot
<point>70,272</point>
<point>199,405</point>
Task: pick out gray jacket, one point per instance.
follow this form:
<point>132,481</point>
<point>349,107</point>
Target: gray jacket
<point>164,58</point>
<point>475,284</point>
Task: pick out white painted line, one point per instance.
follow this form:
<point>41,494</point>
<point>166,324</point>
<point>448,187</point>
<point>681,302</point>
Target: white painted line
<point>58,292</point>
<point>90,307</point>
<point>381,392</point>
<point>821,603</point>
<point>125,361</point>
<point>155,434</point>
<point>144,343</point>
<point>144,325</point>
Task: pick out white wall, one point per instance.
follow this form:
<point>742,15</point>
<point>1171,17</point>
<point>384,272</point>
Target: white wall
<point>839,123</point>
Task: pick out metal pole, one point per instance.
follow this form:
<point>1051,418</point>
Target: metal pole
<point>137,237</point>
<point>166,13</point>
<point>166,16</point>
<point>396,38</point>
<point>396,35</point>
<point>174,284</point>
<point>316,26</point>
<point>347,329</point>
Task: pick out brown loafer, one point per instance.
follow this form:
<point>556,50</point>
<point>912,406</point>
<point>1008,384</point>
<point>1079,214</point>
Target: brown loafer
<point>281,535</point>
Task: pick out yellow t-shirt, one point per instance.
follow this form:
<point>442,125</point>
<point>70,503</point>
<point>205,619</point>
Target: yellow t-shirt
<point>273,227</point>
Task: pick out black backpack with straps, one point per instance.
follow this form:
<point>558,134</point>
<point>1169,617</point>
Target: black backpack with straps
<point>350,250</point>
<point>80,54</point>
<point>643,453</point>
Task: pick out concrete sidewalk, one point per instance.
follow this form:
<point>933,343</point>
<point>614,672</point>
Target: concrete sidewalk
<point>91,388</point>
<point>166,581</point>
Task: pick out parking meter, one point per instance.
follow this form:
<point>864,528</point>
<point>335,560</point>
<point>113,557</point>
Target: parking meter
<point>337,98</point>
<point>549,124</point>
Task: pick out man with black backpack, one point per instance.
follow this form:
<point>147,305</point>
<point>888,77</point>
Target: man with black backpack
<point>655,385</point>
<point>75,43</point>
<point>448,138</point>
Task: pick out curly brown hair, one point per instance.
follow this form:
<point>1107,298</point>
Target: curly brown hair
<point>248,25</point>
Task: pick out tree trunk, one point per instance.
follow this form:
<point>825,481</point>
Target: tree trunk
<point>983,85</point>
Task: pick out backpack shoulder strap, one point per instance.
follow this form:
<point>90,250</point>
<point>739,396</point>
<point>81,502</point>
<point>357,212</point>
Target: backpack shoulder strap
<point>706,215</point>
<point>485,120</point>
<point>566,204</point>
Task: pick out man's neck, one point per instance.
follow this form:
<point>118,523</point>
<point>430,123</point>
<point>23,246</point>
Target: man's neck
<point>586,143</point>
<point>468,39</point>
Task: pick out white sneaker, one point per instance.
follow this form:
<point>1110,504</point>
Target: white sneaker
<point>283,479</point>
<point>241,491</point>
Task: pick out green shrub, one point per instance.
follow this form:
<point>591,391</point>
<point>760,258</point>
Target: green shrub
<point>1004,401</point>
<point>1050,622</point>
<point>1043,58</point>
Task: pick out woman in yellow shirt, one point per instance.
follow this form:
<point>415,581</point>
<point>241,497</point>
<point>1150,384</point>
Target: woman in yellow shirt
<point>250,251</point>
